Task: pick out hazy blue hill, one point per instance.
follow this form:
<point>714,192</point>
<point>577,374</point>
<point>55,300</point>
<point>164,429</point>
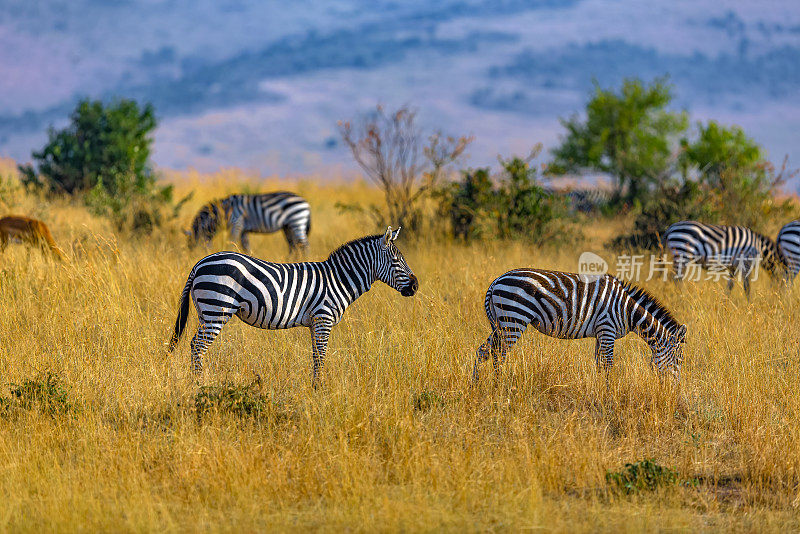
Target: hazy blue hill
<point>261,84</point>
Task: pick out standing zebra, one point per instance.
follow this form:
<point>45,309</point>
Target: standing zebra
<point>285,295</point>
<point>789,245</point>
<point>736,248</point>
<point>575,306</point>
<point>243,214</point>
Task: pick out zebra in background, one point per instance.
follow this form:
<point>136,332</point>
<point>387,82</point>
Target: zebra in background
<point>244,214</point>
<point>588,200</point>
<point>737,249</point>
<point>789,245</point>
<point>285,295</point>
<point>575,306</point>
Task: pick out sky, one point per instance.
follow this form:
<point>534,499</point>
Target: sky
<point>262,85</point>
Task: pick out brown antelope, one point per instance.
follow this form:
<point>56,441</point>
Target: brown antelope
<point>27,230</point>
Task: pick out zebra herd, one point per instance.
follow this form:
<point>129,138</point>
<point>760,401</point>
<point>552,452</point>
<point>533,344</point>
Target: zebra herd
<point>559,304</point>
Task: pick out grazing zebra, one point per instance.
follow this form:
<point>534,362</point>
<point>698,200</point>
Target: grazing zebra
<point>243,214</point>
<point>285,295</point>
<point>736,249</point>
<point>789,245</point>
<point>575,306</point>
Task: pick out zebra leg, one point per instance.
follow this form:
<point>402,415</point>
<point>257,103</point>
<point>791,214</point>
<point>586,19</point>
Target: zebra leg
<point>484,352</point>
<point>746,284</point>
<point>503,342</point>
<point>320,332</point>
<point>245,241</point>
<point>290,238</point>
<point>236,230</point>
<point>206,333</point>
<point>604,351</point>
<point>678,265</point>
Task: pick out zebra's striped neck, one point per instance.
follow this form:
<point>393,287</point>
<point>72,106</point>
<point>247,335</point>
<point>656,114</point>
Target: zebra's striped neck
<point>648,317</point>
<point>353,265</point>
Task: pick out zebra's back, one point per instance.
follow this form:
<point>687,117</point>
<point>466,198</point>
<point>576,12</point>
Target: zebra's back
<point>559,304</point>
<point>270,212</point>
<point>263,294</point>
<point>701,240</point>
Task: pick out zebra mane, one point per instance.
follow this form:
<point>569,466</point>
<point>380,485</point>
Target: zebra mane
<point>352,243</point>
<point>651,304</point>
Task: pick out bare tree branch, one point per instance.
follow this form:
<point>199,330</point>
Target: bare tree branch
<point>389,149</point>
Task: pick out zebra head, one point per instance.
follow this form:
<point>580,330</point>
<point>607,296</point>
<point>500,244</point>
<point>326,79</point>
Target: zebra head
<point>668,350</point>
<point>391,266</point>
<point>204,225</point>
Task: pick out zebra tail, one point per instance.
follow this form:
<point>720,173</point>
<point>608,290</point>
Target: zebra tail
<point>487,305</point>
<point>183,314</point>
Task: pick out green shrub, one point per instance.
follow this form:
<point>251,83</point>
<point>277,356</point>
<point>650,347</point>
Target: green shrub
<point>724,180</point>
<point>245,401</point>
<point>646,475</point>
<point>468,203</point>
<point>672,203</point>
<point>512,205</point>
<point>45,393</point>
<point>525,208</point>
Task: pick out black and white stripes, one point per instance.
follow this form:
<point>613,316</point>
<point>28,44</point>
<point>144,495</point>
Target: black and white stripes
<point>285,295</point>
<point>735,248</point>
<point>573,306</point>
<point>789,245</point>
<point>244,214</point>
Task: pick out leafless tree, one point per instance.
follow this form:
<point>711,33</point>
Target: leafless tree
<point>389,149</point>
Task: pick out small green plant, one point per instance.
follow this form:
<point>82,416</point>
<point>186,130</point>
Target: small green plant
<point>45,393</point>
<point>646,475</point>
<point>239,400</point>
<point>427,400</point>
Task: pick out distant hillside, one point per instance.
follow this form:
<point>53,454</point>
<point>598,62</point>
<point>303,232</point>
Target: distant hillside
<point>262,86</point>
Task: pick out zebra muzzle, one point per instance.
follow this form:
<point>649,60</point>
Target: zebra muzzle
<point>411,288</point>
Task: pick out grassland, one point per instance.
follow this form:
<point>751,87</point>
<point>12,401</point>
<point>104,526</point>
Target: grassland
<point>397,439</point>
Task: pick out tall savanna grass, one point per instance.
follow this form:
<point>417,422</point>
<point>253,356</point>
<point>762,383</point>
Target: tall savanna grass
<point>398,438</point>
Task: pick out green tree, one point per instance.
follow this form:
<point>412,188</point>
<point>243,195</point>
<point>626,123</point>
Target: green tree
<point>104,156</point>
<point>716,149</point>
<point>742,184</point>
<point>627,134</point>
<point>103,144</point>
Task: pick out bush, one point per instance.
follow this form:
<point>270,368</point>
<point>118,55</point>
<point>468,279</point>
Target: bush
<point>518,206</point>
<point>525,208</point>
<point>468,203</point>
<point>104,157</point>
<point>45,393</point>
<point>238,400</point>
<point>642,476</point>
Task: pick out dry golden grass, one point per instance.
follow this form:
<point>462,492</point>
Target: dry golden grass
<point>530,452</point>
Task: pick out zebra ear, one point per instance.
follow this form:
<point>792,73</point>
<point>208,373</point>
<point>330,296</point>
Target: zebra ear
<point>387,237</point>
<point>396,233</point>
